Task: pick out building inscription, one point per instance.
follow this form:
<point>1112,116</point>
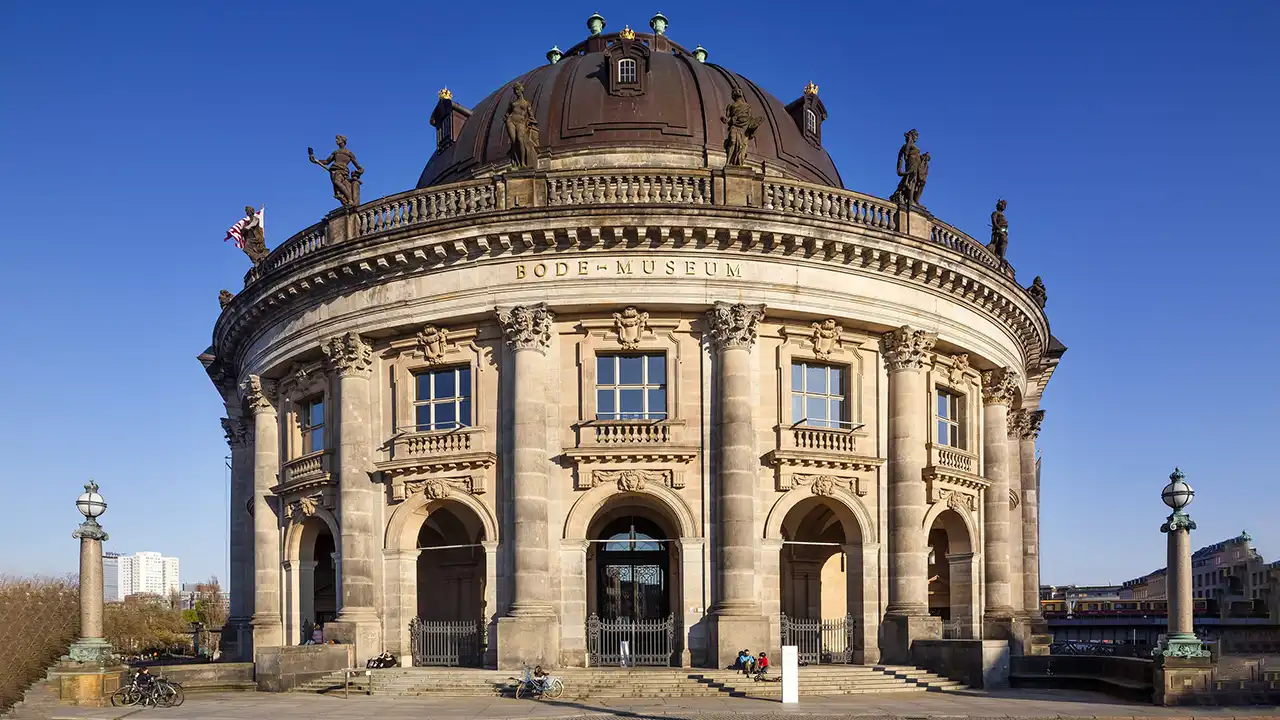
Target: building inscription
<point>631,267</point>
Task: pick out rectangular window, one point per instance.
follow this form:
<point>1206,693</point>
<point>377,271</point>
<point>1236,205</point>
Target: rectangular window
<point>443,399</point>
<point>818,395</point>
<point>950,418</point>
<point>312,426</point>
<point>631,387</point>
<point>627,71</point>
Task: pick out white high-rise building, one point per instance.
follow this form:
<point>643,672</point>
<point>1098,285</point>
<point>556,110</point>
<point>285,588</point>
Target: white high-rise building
<point>144,572</point>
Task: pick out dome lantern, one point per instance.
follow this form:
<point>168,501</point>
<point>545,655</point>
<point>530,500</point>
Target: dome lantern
<point>595,23</point>
<point>554,55</point>
<point>659,23</point>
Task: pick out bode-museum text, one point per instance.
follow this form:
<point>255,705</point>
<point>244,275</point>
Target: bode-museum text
<point>632,266</point>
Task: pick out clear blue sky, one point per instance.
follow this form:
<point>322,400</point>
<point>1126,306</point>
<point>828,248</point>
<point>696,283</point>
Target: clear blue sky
<point>1134,143</point>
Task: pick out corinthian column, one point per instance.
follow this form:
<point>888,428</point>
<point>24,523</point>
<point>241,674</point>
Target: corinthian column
<point>530,634</point>
<point>998,390</point>
<point>350,363</point>
<point>906,351</point>
<point>260,396</point>
<point>1030,515</point>
<point>739,619</point>
<point>237,633</point>
<point>1017,420</point>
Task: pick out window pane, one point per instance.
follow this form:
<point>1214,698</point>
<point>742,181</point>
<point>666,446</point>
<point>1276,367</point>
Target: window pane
<point>815,379</point>
<point>797,407</point>
<point>317,414</point>
<point>632,403</point>
<point>657,369</point>
<point>837,381</point>
<point>942,433</point>
<point>816,410</point>
<point>604,404</point>
<point>957,436</point>
<point>464,413</point>
<point>424,386</point>
<point>942,404</point>
<point>657,403</point>
<point>630,370</point>
<point>464,382</point>
<point>837,413</point>
<point>423,419</point>
<point>445,384</point>
<point>604,370</point>
<point>797,377</point>
<point>315,440</point>
<point>446,413</point>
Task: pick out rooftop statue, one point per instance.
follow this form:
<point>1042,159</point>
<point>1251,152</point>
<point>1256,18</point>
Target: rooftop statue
<point>1037,292</point>
<point>346,185</point>
<point>224,298</point>
<point>522,130</point>
<point>253,239</point>
<point>742,127</point>
<point>912,171</point>
<point>999,231</point>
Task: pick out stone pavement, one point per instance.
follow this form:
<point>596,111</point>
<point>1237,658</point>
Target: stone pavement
<point>1001,704</point>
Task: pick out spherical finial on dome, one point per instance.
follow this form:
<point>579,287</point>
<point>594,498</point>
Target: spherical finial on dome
<point>444,94</point>
<point>659,23</point>
<point>554,54</point>
<point>627,33</point>
<point>595,23</point>
<point>700,54</point>
<point>810,89</point>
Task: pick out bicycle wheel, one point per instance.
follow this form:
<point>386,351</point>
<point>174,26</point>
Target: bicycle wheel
<point>166,695</point>
<point>555,689</point>
<point>176,694</point>
<point>123,697</point>
<point>522,690</point>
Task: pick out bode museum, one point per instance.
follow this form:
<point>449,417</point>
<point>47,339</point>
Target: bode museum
<point>629,377</point>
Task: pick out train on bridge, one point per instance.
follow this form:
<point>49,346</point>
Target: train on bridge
<point>1057,609</point>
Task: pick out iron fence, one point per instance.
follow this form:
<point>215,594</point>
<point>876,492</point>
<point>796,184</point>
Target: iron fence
<point>821,641</point>
<point>1105,649</point>
<point>448,643</point>
<point>631,643</point>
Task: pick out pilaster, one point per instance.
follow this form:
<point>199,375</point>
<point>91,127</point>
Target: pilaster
<point>260,397</point>
<point>237,638</point>
<point>999,387</point>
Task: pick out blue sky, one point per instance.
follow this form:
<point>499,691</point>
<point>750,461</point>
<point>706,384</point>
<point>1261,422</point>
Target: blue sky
<point>1133,141</point>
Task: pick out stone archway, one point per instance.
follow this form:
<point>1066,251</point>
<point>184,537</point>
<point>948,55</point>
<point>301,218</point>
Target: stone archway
<point>953,571</point>
<point>312,593</point>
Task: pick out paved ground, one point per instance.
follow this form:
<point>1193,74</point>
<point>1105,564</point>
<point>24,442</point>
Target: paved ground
<point>909,706</point>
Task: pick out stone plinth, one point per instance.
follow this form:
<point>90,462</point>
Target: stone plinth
<point>86,684</point>
<point>1183,681</point>
<point>278,669</point>
<point>902,632</point>
<point>976,663</point>
<point>735,632</point>
<point>528,640</point>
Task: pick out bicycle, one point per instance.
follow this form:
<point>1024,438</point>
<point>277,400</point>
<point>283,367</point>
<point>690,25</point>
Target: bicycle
<point>160,692</point>
<point>538,687</point>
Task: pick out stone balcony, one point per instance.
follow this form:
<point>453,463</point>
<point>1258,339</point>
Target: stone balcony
<point>307,469</point>
<point>462,452</point>
<point>605,442</point>
<point>952,476</point>
<point>804,447</point>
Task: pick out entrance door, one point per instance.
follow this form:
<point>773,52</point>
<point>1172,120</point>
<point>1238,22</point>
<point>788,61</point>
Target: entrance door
<point>634,574</point>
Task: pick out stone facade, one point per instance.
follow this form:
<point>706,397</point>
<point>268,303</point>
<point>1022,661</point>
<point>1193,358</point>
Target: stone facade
<point>737,369</point>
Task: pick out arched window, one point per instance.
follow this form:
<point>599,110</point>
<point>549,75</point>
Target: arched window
<point>626,70</point>
<point>810,121</point>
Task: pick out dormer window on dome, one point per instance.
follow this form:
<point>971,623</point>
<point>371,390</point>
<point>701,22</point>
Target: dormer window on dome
<point>808,112</point>
<point>448,119</point>
<point>628,61</point>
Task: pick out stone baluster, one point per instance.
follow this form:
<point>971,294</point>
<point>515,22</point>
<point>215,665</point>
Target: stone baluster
<point>740,621</point>
<point>350,364</point>
<point>998,390</point>
<point>530,633</point>
<point>237,632</point>
<point>260,397</point>
<point>1030,515</point>
<point>906,352</point>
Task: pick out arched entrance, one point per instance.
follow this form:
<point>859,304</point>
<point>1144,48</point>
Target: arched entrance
<point>633,584</point>
<point>952,573</point>
<point>311,580</point>
<point>449,627</point>
<point>820,585</point>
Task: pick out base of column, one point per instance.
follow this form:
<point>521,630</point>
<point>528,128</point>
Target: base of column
<point>734,633</point>
<point>900,631</point>
<point>90,651</point>
<point>1183,680</point>
<point>1000,626</point>
<point>86,684</point>
<point>358,626</point>
<point>268,631</point>
<point>236,641</point>
<point>528,641</point>
<point>1183,645</point>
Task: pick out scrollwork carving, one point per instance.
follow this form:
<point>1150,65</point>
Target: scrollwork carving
<point>907,348</point>
<point>959,501</point>
<point>826,485</point>
<point>959,369</point>
<point>527,327</point>
<point>631,480</point>
<point>434,343</point>
<point>349,354</point>
<point>259,393</point>
<point>826,338</point>
<point>999,386</point>
<point>1015,424</point>
<point>631,324</point>
<point>734,325</point>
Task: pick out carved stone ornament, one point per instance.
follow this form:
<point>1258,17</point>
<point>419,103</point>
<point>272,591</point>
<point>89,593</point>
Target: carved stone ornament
<point>349,354</point>
<point>959,501</point>
<point>527,327</point>
<point>258,393</point>
<point>907,348</point>
<point>631,325</point>
<point>302,507</point>
<point>824,485</point>
<point>631,480</point>
<point>959,369</point>
<point>826,338</point>
<point>434,343</point>
<point>224,298</point>
<point>1015,424</point>
<point>437,488</point>
<point>999,386</point>
<point>238,432</point>
<point>734,325</point>
<point>1032,420</point>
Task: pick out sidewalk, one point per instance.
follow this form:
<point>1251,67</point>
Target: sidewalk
<point>1009,703</point>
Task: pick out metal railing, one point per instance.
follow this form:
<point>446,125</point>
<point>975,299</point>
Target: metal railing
<point>448,643</point>
<point>821,641</point>
<point>1104,649</point>
<point>631,643</point>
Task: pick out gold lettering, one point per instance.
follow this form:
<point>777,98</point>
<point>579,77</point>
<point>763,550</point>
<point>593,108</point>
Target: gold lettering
<point>562,269</point>
<point>520,271</point>
<point>582,267</point>
<point>689,266</point>
<point>539,270</point>
<point>711,268</point>
<point>733,270</point>
<point>671,267</point>
<point>602,267</point>
<point>624,269</point>
<point>647,266</point>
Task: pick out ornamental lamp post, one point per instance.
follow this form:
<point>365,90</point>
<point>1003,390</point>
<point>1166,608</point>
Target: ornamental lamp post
<point>91,647</point>
<point>1180,640</point>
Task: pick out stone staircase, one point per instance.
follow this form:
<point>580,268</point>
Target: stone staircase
<point>581,683</point>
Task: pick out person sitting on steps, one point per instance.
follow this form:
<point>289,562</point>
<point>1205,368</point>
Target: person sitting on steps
<point>762,665</point>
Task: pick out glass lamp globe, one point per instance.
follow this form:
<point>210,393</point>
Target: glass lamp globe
<point>90,503</point>
<point>1177,494</point>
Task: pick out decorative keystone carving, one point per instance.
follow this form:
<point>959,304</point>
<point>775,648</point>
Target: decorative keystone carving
<point>907,348</point>
<point>258,393</point>
<point>959,501</point>
<point>632,480</point>
<point>434,343</point>
<point>826,338</point>
<point>999,386</point>
<point>959,368</point>
<point>631,325</point>
<point>349,354</point>
<point>302,507</point>
<point>826,485</point>
<point>1030,429</point>
<point>527,327</point>
<point>734,325</point>
<point>237,431</point>
<point>436,488</point>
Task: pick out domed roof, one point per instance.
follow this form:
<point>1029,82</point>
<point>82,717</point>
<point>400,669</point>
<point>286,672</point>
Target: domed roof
<point>676,105</point>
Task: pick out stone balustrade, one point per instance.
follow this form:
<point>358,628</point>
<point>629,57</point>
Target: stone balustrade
<point>312,466</point>
<point>425,205</point>
<point>624,432</point>
<point>829,203</point>
<point>823,439</point>
<point>629,189</point>
<point>943,234</point>
<point>951,458</point>
<point>300,245</point>
<point>430,444</point>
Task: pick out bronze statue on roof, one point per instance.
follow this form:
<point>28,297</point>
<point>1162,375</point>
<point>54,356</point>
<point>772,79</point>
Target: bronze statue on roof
<point>252,237</point>
<point>999,231</point>
<point>346,185</point>
<point>742,127</point>
<point>522,130</point>
<point>912,171</point>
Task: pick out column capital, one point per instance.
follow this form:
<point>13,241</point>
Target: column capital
<point>999,386</point>
<point>259,394</point>
<point>1030,428</point>
<point>734,325</point>
<point>526,327</point>
<point>1016,424</point>
<point>1178,521</point>
<point>239,433</point>
<point>907,348</point>
<point>349,355</point>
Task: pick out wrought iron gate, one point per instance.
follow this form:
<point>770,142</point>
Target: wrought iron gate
<point>821,641</point>
<point>630,643</point>
<point>451,643</point>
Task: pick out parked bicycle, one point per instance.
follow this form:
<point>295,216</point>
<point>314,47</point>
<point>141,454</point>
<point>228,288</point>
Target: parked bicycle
<point>538,684</point>
<point>148,690</point>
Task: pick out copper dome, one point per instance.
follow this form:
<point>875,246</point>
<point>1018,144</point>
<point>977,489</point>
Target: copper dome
<point>678,109</point>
